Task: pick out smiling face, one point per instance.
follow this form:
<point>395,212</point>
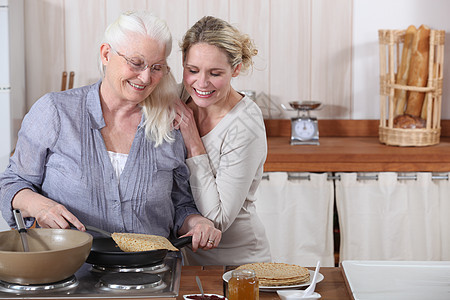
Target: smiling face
<point>207,74</point>
<point>121,80</point>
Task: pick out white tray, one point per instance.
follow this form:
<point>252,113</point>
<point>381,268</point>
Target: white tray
<point>398,280</point>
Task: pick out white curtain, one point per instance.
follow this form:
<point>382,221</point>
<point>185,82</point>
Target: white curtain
<point>297,212</point>
<point>394,217</point>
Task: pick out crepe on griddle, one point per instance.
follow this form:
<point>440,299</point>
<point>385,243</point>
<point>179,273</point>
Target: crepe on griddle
<point>136,242</point>
<point>278,274</point>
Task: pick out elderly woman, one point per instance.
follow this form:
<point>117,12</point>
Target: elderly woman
<point>106,155</point>
<point>226,141</point>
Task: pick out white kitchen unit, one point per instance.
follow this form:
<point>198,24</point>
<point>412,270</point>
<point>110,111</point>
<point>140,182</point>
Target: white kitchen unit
<point>63,36</point>
<point>318,50</point>
<point>12,75</point>
<point>400,280</point>
<point>309,59</point>
<point>12,79</point>
<point>368,18</point>
<point>297,212</point>
<point>394,216</point>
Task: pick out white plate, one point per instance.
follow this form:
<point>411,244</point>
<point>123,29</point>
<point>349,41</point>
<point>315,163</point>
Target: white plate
<point>297,294</point>
<point>187,296</point>
<point>263,288</point>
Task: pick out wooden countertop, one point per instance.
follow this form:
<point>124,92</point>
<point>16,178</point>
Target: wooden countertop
<point>355,154</point>
<point>332,287</point>
<point>351,146</point>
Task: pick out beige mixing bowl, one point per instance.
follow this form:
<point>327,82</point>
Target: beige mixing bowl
<point>55,254</point>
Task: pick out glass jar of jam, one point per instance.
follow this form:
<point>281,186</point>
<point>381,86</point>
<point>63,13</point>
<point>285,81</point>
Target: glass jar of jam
<point>243,285</point>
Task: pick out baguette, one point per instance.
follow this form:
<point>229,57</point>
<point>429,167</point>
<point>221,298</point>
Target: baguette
<point>425,102</point>
<point>418,70</point>
<point>403,70</point>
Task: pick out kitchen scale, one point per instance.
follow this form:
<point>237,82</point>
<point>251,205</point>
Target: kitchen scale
<point>304,127</point>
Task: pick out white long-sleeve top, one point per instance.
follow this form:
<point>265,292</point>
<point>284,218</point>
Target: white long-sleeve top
<point>224,182</point>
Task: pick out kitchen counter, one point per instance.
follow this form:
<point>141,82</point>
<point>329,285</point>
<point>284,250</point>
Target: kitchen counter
<point>351,146</point>
<point>332,287</point>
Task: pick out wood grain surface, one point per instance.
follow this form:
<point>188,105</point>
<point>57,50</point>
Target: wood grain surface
<point>332,287</point>
<point>351,146</point>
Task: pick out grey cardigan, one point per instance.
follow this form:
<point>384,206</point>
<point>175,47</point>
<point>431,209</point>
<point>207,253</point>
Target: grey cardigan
<point>61,154</point>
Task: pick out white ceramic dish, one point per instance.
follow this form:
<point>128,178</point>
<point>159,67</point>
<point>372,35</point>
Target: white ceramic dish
<point>262,288</point>
<point>296,294</point>
<point>186,297</point>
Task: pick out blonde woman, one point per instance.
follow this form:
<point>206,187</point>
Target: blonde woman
<point>106,155</point>
<point>225,139</point>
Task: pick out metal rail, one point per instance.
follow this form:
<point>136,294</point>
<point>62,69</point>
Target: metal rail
<point>332,176</point>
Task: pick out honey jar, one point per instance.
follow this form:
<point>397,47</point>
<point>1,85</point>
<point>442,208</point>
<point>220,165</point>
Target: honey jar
<point>243,285</point>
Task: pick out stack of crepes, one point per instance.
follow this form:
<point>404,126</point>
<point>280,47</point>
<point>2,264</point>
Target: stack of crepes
<point>278,274</point>
<point>135,242</point>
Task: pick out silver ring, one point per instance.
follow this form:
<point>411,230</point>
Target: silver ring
<point>211,242</point>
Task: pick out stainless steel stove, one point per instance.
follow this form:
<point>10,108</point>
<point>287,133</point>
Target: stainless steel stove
<point>97,282</point>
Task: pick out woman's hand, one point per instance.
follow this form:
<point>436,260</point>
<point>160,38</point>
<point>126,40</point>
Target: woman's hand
<point>48,213</point>
<point>204,235</point>
<point>185,121</point>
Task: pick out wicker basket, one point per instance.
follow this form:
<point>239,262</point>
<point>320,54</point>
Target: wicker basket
<point>390,52</point>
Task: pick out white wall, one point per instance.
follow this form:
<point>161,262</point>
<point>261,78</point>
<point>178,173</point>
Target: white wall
<point>304,46</point>
<point>370,16</point>
<point>324,50</point>
<point>12,76</point>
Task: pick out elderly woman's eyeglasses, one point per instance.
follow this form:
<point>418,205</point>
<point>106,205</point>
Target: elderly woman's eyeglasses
<point>138,65</point>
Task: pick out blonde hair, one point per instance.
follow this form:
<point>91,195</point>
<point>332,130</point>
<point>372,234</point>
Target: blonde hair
<point>158,107</point>
<point>238,46</point>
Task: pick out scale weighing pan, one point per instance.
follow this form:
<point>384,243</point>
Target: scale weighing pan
<point>305,105</point>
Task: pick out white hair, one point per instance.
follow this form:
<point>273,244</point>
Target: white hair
<point>158,107</point>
